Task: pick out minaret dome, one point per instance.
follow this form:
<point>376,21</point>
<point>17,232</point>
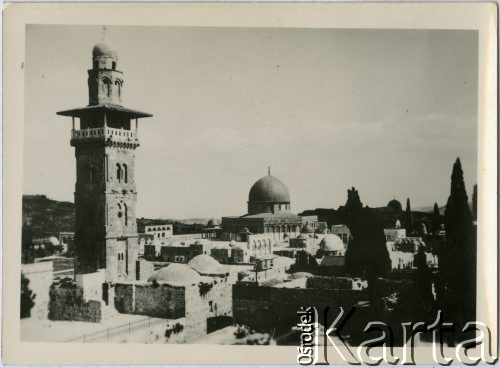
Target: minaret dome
<point>105,81</point>
<point>104,56</point>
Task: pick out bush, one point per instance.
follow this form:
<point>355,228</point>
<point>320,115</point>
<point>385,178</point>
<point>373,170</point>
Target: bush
<point>27,298</point>
<point>241,332</point>
<point>204,288</point>
<point>177,328</point>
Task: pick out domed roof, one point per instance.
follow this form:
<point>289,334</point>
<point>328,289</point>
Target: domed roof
<point>331,242</point>
<point>103,49</point>
<point>54,241</point>
<point>306,229</point>
<point>395,205</point>
<point>206,265</point>
<point>269,189</point>
<point>176,273</point>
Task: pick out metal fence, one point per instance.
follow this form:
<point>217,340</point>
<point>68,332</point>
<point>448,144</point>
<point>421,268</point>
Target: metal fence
<point>106,334</point>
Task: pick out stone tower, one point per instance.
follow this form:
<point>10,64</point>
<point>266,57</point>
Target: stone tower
<point>105,192</point>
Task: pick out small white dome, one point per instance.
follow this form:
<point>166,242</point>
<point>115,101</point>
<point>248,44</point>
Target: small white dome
<point>206,265</point>
<point>176,273</point>
<point>331,242</point>
<point>54,241</point>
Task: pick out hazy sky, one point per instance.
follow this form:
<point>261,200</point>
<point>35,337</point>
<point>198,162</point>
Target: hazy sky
<point>384,111</point>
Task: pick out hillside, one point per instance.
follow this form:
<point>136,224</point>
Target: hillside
<point>45,216</point>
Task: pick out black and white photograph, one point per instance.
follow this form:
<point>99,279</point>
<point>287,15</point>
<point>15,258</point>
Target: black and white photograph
<point>271,186</point>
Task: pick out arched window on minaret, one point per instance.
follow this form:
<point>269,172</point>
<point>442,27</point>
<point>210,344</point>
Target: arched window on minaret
<point>126,213</point>
<point>107,84</point>
<point>119,210</point>
<point>125,173</point>
<point>118,85</point>
<point>118,173</point>
<point>113,65</point>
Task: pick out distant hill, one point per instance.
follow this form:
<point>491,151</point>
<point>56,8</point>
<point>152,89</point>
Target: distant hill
<point>44,216</point>
<point>47,216</point>
<point>388,215</point>
<point>430,209</point>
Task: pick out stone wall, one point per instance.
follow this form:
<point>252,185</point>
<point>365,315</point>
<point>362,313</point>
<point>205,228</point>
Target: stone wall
<point>160,300</point>
<point>318,282</point>
<point>91,284</point>
<point>124,298</point>
<point>144,269</point>
<point>266,307</point>
<point>154,300</point>
<point>204,302</point>
<point>67,304</point>
<point>196,302</point>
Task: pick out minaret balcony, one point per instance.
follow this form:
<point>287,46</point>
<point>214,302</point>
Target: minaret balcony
<point>104,134</point>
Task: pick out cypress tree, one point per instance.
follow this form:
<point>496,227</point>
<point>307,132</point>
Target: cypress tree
<point>474,203</point>
<point>366,253</point>
<point>353,204</point>
<point>27,297</point>
<point>408,218</point>
<point>436,219</point>
<point>457,258</point>
<point>422,298</point>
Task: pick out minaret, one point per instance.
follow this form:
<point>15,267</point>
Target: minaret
<point>105,192</point>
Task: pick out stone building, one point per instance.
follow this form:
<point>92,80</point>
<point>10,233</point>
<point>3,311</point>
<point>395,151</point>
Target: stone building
<point>66,239</point>
<point>144,239</point>
<point>105,192</point>
<point>212,230</point>
<point>269,211</point>
<point>313,225</point>
<point>343,232</point>
<point>303,241</point>
<point>177,253</point>
<point>331,244</point>
<point>198,292</point>
<point>392,235</point>
<point>160,232</point>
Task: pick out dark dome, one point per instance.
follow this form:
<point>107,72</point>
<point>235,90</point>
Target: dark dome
<point>395,205</point>
<point>269,189</point>
<point>103,49</point>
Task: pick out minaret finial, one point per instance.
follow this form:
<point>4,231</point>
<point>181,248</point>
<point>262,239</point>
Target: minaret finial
<point>269,170</point>
<point>104,29</point>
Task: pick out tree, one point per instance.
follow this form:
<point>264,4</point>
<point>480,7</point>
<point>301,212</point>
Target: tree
<point>457,258</point>
<point>353,204</point>
<point>366,253</point>
<point>423,300</point>
<point>474,203</point>
<point>408,218</point>
<point>436,219</point>
<point>27,252</point>
<point>27,297</point>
